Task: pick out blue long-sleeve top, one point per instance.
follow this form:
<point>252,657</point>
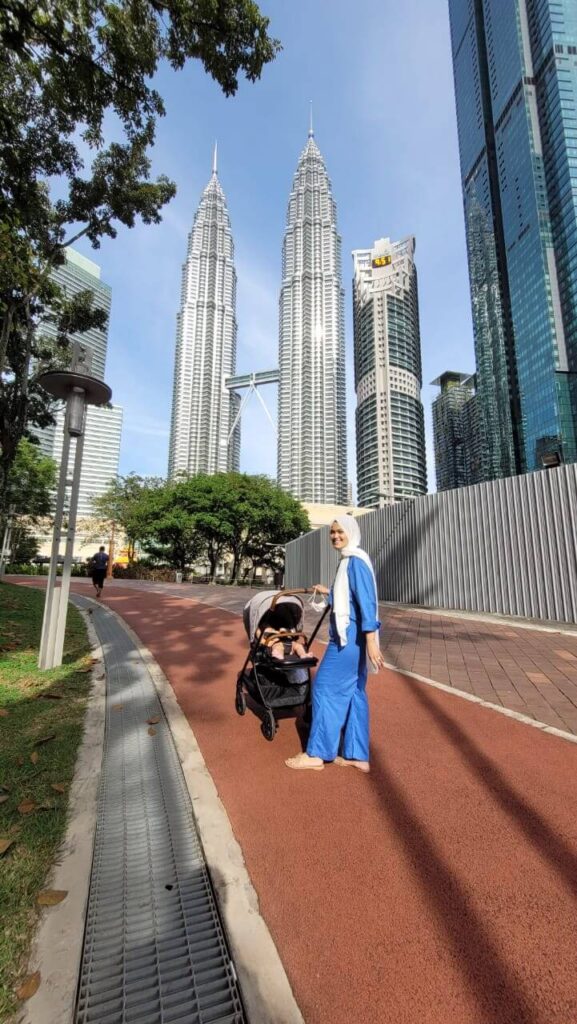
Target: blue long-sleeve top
<point>362,598</point>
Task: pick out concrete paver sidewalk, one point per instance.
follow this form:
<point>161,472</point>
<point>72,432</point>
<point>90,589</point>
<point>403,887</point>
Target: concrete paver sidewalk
<point>532,671</point>
<point>442,887</point>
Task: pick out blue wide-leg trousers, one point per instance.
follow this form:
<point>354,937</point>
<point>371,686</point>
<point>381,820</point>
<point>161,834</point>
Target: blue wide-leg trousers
<point>340,700</point>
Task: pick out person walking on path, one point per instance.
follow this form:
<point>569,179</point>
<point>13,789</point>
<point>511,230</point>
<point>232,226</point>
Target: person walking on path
<point>99,565</point>
<point>339,689</point>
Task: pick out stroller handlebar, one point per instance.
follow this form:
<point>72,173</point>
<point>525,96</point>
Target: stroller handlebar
<point>290,593</point>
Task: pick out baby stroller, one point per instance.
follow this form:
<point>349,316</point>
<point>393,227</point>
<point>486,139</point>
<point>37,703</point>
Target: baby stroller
<point>272,618</point>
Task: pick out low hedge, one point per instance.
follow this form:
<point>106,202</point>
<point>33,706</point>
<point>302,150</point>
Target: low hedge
<point>27,569</point>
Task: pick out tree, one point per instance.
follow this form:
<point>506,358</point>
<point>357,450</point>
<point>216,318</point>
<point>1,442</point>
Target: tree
<point>22,401</point>
<point>24,546</point>
<point>31,483</point>
<point>271,519</point>
<point>28,495</point>
<point>120,505</point>
<point>163,522</point>
<point>245,517</point>
<point>69,69</point>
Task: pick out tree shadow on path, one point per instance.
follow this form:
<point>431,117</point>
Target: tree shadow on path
<point>499,994</point>
<point>560,856</point>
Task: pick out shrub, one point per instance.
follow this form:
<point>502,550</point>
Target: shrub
<point>138,571</point>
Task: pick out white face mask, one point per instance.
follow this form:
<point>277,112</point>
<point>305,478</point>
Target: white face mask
<point>317,601</point>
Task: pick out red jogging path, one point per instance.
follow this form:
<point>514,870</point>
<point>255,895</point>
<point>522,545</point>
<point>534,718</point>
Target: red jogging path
<point>441,889</point>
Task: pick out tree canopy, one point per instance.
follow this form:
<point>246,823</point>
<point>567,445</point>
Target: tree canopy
<point>31,482</point>
<point>246,519</point>
<point>121,502</point>
<point>71,73</point>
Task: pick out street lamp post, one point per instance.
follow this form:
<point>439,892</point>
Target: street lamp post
<point>78,389</point>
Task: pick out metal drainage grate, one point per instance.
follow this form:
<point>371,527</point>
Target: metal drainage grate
<point>154,948</point>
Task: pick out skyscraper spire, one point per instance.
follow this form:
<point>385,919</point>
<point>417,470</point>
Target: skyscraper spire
<point>311,129</point>
<point>202,410</point>
<point>214,158</point>
<point>312,457</point>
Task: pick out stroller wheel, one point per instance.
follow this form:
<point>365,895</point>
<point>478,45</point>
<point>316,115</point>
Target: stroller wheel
<point>240,702</point>
<point>268,726</point>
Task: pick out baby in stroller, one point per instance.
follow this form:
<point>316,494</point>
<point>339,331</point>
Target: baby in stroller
<point>282,644</point>
<point>276,672</point>
<point>279,636</point>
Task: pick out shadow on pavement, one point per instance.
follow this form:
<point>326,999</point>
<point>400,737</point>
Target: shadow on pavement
<point>499,995</point>
<point>551,846</point>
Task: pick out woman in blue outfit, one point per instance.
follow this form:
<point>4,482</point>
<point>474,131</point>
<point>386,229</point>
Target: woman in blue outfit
<point>340,706</point>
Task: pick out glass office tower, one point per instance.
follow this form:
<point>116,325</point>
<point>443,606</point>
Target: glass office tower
<point>515,69</point>
<point>451,441</point>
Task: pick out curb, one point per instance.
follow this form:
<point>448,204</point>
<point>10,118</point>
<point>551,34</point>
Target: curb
<point>265,988</point>
<point>57,945</point>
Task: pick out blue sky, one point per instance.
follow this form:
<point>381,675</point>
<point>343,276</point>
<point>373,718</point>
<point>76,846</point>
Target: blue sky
<point>379,75</point>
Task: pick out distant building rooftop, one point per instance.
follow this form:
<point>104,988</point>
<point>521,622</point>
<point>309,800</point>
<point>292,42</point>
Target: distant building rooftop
<point>89,266</point>
<point>451,377</point>
<point>324,515</point>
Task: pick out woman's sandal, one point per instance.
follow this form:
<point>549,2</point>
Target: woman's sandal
<point>361,766</point>
<point>302,762</point>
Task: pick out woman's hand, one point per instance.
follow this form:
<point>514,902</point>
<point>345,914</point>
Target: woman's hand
<point>374,651</point>
<point>320,589</point>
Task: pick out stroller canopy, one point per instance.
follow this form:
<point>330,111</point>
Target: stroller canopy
<point>259,605</point>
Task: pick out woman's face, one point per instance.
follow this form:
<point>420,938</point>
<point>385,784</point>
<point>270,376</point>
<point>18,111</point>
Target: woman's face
<point>339,538</point>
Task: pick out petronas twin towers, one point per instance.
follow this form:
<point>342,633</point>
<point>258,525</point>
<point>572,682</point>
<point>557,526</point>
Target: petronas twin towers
<point>203,410</point>
<point>205,435</point>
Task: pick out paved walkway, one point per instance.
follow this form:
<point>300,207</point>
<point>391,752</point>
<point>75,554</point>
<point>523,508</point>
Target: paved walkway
<point>442,887</point>
<point>524,669</point>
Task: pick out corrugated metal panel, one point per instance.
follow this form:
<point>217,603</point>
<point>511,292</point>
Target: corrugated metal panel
<point>509,546</point>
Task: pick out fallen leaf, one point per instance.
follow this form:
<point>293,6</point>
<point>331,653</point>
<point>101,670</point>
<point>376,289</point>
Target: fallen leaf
<point>58,787</point>
<point>154,720</point>
<point>50,897</point>
<point>29,986</point>
<point>26,807</point>
<point>152,731</point>
<point>4,713</point>
<point>44,739</point>
<point>3,798</point>
<point>117,707</point>
<point>5,844</point>
<point>34,757</point>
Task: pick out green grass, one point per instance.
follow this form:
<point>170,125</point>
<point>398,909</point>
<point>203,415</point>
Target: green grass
<point>31,718</point>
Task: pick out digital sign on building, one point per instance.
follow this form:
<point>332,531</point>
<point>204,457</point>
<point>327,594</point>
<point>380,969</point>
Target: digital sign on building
<point>382,261</point>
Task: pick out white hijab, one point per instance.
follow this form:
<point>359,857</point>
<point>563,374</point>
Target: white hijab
<point>341,596</point>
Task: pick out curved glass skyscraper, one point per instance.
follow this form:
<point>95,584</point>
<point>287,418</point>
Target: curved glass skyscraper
<point>515,68</point>
<point>312,458</point>
<point>391,458</point>
<point>203,410</point>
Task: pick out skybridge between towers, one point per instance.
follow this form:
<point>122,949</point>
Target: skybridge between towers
<point>251,382</point>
